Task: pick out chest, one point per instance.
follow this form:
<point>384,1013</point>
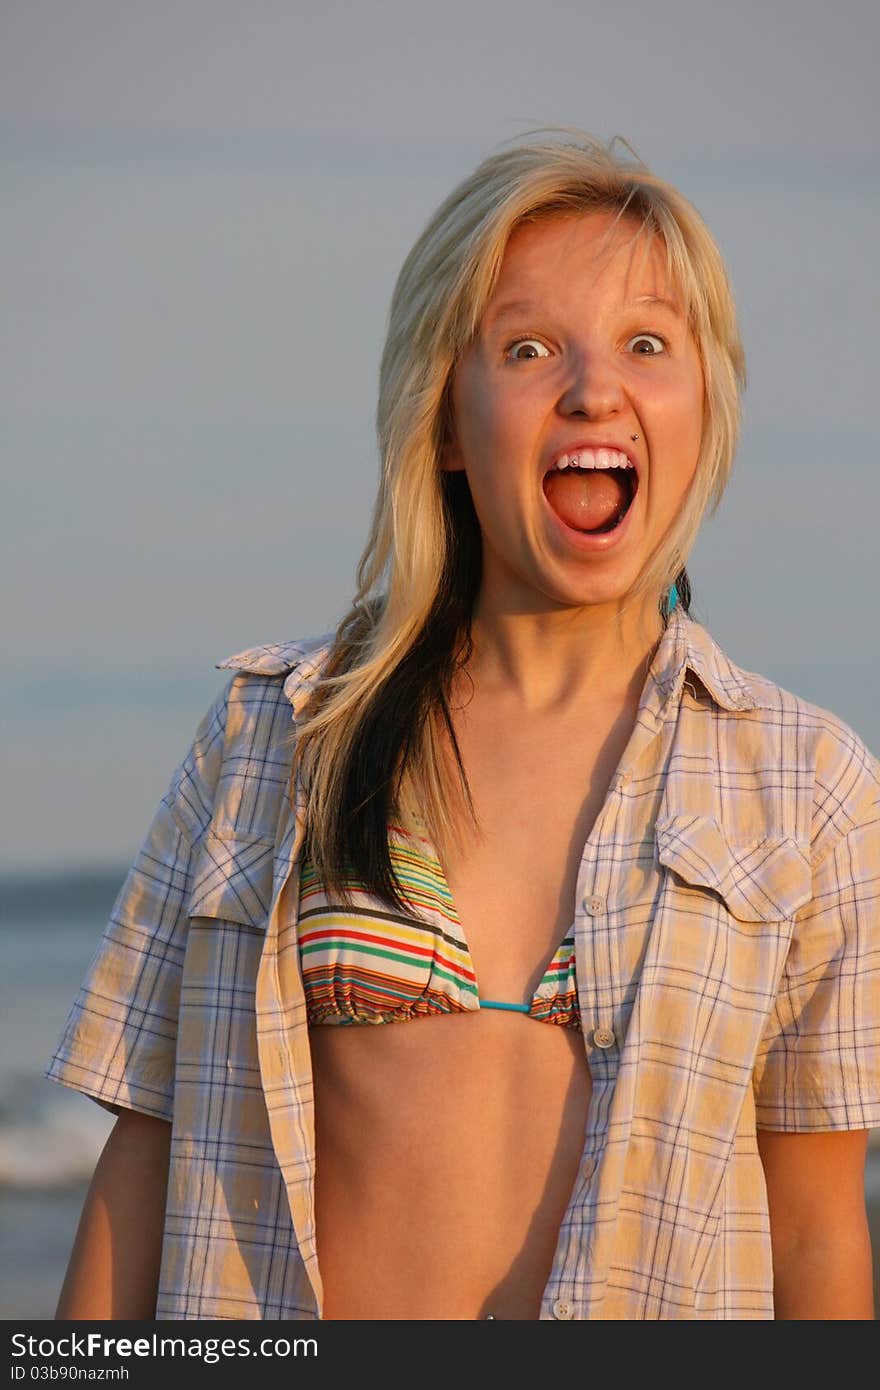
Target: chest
<point>538,790</point>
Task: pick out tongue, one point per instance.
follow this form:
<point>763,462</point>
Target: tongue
<point>586,500</point>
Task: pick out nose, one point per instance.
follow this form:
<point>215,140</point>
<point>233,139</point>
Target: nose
<point>594,389</point>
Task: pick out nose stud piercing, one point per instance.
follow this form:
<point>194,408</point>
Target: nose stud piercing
<point>634,437</point>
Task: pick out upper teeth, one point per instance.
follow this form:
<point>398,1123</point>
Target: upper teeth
<point>594,458</point>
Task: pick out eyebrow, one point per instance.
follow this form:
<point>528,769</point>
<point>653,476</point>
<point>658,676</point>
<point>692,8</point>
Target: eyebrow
<point>515,306</point>
<point>525,306</point>
<point>659,300</point>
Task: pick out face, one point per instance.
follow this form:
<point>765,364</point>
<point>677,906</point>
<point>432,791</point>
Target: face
<point>575,349</point>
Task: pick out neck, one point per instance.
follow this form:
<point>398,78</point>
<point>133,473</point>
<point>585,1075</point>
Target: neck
<point>565,660</point>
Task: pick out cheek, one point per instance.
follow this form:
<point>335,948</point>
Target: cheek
<point>472,417</point>
<point>677,436</point>
<point>697,398</point>
<point>681,413</point>
<point>686,440</point>
<point>484,428</point>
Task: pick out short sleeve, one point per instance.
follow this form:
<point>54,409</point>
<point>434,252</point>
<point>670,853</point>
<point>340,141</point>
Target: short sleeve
<point>118,1045</point>
<point>818,1065</point>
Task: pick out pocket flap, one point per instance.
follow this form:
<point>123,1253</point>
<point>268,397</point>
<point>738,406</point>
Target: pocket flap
<point>233,879</point>
<point>760,880</point>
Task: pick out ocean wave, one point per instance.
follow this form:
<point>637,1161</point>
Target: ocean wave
<point>50,1142</point>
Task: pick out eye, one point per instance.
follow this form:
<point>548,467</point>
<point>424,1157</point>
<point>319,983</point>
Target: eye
<point>651,344</point>
<point>532,343</point>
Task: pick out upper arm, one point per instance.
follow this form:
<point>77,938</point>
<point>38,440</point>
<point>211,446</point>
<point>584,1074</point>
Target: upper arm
<point>814,1180</point>
<point>113,1271</point>
<point>821,1243</point>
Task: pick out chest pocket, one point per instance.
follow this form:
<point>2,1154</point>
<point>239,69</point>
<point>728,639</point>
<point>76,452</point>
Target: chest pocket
<point>232,879</point>
<point>722,930</point>
<point>763,880</point>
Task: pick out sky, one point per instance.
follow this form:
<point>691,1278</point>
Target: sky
<point>205,209</point>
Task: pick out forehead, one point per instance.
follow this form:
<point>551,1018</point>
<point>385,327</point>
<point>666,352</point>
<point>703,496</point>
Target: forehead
<point>542,256</point>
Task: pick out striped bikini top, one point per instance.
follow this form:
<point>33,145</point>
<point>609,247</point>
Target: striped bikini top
<point>368,963</point>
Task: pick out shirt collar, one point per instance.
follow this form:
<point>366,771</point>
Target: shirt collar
<point>684,646</point>
<point>300,662</point>
<point>304,676</point>
<point>687,646</point>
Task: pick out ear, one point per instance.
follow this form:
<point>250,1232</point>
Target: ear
<point>451,460</point>
<point>449,454</point>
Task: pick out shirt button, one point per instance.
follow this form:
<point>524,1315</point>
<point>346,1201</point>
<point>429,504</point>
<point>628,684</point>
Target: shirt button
<point>594,905</point>
<point>603,1037</point>
<point>624,779</point>
<point>563,1310</point>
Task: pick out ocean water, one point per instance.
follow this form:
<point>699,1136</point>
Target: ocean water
<point>51,1137</point>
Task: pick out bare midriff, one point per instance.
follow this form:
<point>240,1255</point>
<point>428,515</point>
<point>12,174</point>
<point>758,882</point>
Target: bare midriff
<point>447,1152</point>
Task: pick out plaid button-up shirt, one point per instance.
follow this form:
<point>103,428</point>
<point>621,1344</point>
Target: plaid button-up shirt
<point>728,963</point>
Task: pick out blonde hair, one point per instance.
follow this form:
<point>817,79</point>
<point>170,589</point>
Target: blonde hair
<point>406,573</point>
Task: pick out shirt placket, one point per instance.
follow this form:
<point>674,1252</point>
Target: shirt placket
<point>283,1043</point>
<point>599,921</point>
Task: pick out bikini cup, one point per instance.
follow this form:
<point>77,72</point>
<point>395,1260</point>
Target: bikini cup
<point>369,964</point>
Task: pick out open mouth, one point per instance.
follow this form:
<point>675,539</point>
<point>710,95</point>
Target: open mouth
<point>592,500</point>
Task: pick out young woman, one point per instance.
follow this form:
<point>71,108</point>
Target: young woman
<point>507,952</point>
